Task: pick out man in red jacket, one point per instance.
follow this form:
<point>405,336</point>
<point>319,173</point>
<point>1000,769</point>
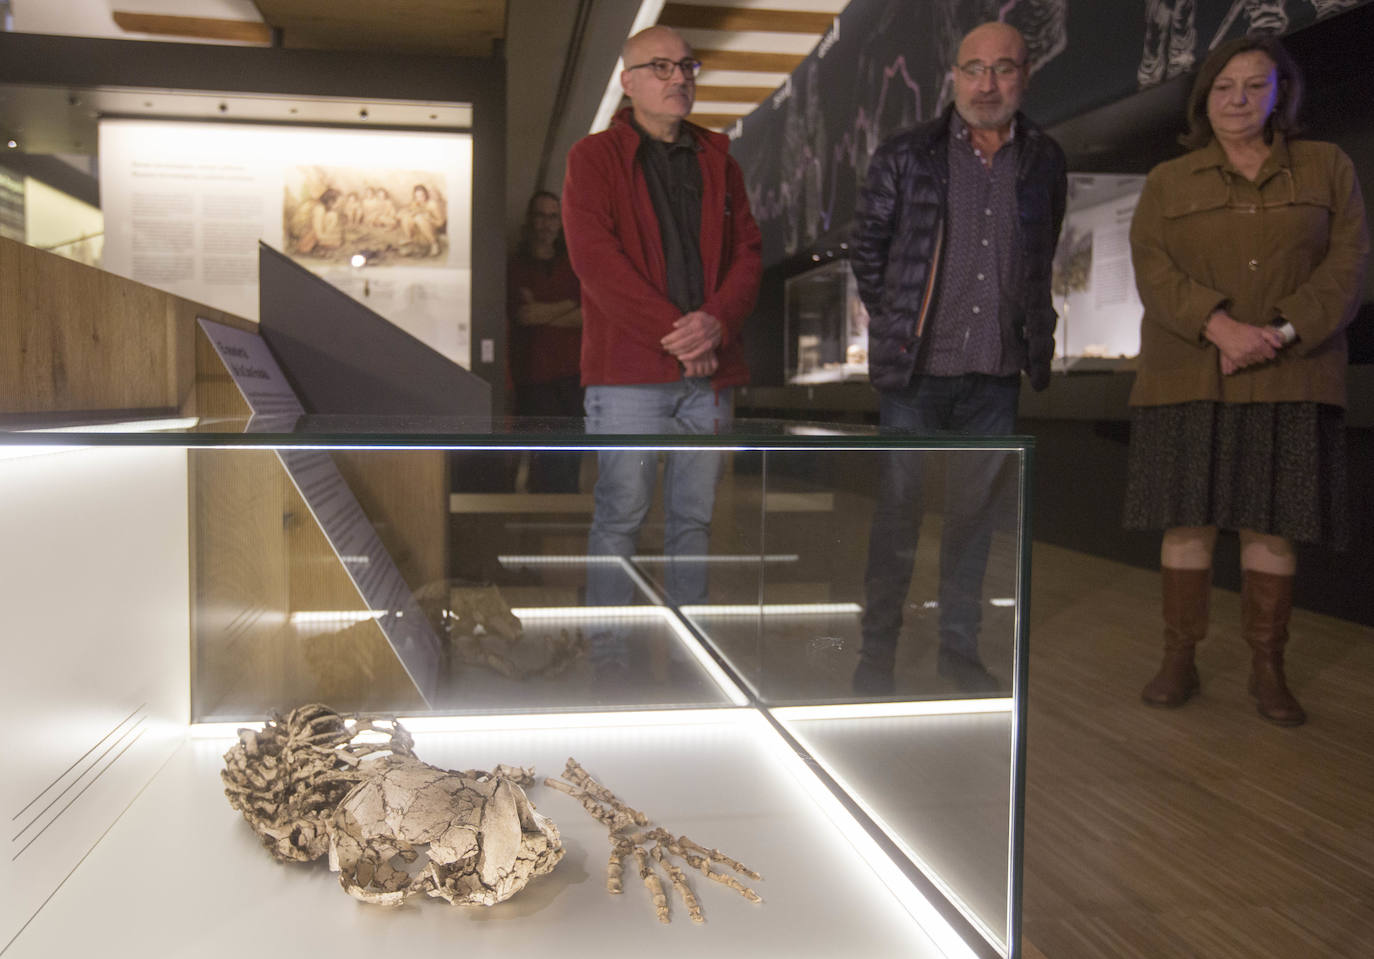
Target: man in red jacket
<point>658,228</point>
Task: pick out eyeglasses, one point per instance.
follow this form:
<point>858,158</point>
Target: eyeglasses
<point>1001,69</point>
<point>663,67</point>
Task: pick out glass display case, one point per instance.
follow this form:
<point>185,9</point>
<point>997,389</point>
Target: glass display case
<point>169,582</point>
<point>826,326</point>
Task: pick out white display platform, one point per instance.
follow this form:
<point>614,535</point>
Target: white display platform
<point>181,874</point>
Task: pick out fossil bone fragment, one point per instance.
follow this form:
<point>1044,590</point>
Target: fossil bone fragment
<point>472,838</point>
<point>287,779</point>
<point>649,846</point>
<point>480,629</point>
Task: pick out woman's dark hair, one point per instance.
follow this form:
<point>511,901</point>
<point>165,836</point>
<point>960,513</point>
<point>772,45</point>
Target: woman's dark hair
<point>523,247</point>
<point>1283,120</point>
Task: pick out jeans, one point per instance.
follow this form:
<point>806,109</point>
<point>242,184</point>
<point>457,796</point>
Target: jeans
<point>974,405</point>
<point>625,483</point>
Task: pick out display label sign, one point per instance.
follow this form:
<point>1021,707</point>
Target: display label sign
<point>350,533</point>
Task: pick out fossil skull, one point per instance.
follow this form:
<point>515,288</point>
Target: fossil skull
<point>480,838</point>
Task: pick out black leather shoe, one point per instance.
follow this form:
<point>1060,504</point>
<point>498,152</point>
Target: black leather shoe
<point>970,675</point>
<point>871,679</point>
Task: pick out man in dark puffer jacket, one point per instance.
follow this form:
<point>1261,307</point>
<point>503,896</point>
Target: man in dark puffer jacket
<point>952,249</point>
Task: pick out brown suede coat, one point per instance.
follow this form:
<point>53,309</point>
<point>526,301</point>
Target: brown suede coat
<point>1291,243</point>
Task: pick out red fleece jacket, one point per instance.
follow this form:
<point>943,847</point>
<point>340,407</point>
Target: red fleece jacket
<point>614,243</point>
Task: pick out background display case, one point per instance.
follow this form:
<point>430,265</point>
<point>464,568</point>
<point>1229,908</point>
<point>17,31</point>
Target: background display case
<point>168,586</point>
<point>825,326</point>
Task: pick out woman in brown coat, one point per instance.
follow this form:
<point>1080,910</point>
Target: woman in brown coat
<point>1249,256</point>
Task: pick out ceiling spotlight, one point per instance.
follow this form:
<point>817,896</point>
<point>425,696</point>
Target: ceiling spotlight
<point>363,113</point>
<point>13,144</point>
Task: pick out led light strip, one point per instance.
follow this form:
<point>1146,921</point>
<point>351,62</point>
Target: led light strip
<point>735,558</point>
<point>518,560</point>
<point>516,722</point>
<point>890,710</point>
<point>896,840</point>
<point>661,613</point>
<point>704,659</point>
<point>17,451</point>
<point>897,882</point>
<point>588,612</point>
<point>776,609</point>
<point>128,426</point>
<point>645,18</point>
<point>333,617</point>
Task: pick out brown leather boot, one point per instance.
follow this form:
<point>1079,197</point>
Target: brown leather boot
<point>1186,593</point>
<point>1266,600</point>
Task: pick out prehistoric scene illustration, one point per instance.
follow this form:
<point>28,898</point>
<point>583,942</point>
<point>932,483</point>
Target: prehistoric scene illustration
<point>387,216</point>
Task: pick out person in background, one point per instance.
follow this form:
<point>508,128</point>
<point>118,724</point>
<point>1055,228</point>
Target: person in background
<point>1249,256</point>
<point>952,248</point>
<point>660,234</point>
<point>544,314</point>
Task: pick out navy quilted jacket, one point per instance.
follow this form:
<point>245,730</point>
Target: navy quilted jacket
<point>898,231</point>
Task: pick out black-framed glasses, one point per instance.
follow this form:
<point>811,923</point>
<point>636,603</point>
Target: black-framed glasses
<point>663,67</point>
<point>1001,69</point>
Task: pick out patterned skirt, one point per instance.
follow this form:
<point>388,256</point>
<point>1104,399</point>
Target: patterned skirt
<point>1274,468</point>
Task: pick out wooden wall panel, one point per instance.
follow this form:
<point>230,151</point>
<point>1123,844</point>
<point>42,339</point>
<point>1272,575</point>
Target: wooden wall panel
<point>405,494</point>
<point>85,339</point>
<point>79,339</point>
<point>239,582</point>
<point>350,666</point>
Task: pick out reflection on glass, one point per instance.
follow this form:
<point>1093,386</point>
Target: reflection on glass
<point>625,485</point>
<point>975,494</point>
<point>823,580</point>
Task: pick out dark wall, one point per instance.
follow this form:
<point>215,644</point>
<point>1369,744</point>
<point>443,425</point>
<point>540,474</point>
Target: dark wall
<point>805,151</point>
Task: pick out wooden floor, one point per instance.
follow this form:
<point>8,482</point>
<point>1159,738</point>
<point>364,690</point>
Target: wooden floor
<point>1202,831</point>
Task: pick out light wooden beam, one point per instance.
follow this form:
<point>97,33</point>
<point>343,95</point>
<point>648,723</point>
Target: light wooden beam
<point>733,94</point>
<point>745,60</point>
<point>454,27</point>
<point>714,121</point>
<point>201,28</point>
<point>690,16</point>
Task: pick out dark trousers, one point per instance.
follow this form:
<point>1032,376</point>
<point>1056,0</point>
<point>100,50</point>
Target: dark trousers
<point>552,471</point>
<point>972,405</point>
